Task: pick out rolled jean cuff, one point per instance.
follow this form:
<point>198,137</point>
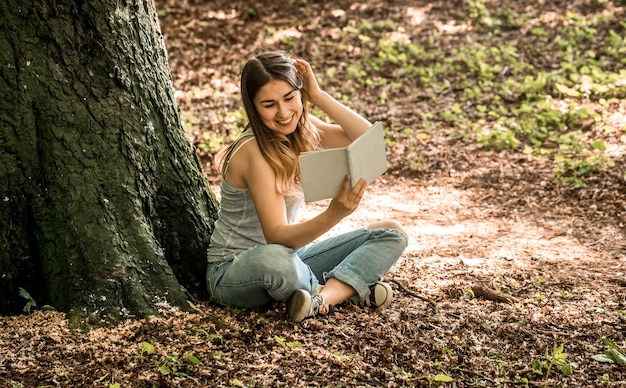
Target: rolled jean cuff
<point>346,276</point>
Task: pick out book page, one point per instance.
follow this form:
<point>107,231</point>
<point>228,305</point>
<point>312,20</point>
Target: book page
<point>322,173</point>
<point>367,155</point>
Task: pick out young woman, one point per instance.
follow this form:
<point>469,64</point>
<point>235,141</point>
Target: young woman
<point>258,253</point>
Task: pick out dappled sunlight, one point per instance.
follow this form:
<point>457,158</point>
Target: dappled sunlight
<point>399,37</point>
<point>616,121</point>
<point>222,15</point>
<point>452,27</point>
<point>446,222</point>
<point>617,151</point>
<point>422,229</point>
<point>283,35</point>
<point>418,15</point>
<point>338,13</point>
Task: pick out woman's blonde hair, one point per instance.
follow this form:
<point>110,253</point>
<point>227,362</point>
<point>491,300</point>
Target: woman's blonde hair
<point>280,151</point>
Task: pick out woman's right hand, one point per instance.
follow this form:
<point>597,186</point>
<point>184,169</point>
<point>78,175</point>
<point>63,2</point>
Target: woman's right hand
<point>347,200</point>
<point>309,81</point>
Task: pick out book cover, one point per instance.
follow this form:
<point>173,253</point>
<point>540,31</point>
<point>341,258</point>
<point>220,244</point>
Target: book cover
<point>323,171</point>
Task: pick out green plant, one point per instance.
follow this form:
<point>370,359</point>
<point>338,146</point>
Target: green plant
<point>30,302</point>
<point>401,372</point>
<point>343,357</point>
<point>145,349</point>
<point>556,358</point>
<point>438,380</point>
<point>239,383</point>
<point>444,346</point>
<point>282,342</point>
<point>210,337</point>
<point>172,365</point>
<point>613,353</point>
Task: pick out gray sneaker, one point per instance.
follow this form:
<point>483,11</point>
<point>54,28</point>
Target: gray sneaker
<point>302,305</point>
<point>380,296</point>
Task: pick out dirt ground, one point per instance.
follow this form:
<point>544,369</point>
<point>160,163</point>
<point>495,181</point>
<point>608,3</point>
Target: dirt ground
<point>560,267</point>
<point>503,267</point>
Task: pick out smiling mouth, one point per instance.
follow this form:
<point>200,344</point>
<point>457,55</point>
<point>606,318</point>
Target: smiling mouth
<point>286,122</point>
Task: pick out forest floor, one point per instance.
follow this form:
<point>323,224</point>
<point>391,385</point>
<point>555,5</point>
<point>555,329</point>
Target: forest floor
<point>509,279</point>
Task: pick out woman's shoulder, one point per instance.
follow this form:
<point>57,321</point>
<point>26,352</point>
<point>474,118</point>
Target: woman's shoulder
<point>246,146</point>
<point>245,161</point>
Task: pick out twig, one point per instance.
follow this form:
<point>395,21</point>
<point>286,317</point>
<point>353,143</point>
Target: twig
<point>596,242</point>
<point>619,281</point>
<point>555,333</point>
<point>415,294</point>
<point>196,308</point>
<point>480,291</point>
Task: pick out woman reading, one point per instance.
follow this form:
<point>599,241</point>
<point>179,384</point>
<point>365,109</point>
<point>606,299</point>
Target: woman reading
<point>258,252</point>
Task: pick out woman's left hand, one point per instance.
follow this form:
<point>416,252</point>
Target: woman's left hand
<point>348,199</point>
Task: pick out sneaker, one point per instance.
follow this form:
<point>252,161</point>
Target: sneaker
<point>380,296</point>
<point>302,305</point>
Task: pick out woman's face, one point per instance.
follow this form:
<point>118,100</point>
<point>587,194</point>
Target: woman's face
<point>279,105</point>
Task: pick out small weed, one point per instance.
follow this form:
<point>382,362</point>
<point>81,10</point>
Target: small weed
<point>172,365</point>
<point>557,358</point>
<point>444,346</point>
<point>438,380</point>
<point>355,373</point>
<point>210,337</point>
<point>30,302</point>
<point>401,372</point>
<point>240,383</point>
<point>145,349</point>
<point>282,342</point>
<point>343,357</point>
<point>613,355</point>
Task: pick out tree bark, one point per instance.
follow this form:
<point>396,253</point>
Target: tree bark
<point>104,209</point>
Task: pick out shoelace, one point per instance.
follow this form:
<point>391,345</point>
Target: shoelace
<point>318,306</point>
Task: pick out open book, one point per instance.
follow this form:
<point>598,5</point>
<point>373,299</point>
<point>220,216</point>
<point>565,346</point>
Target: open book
<point>323,171</point>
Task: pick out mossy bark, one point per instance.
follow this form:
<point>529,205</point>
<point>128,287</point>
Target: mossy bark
<point>103,205</point>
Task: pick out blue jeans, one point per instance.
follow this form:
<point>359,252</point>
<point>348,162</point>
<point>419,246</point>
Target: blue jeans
<point>268,273</point>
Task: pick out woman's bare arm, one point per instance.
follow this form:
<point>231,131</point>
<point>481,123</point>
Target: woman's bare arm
<point>270,205</point>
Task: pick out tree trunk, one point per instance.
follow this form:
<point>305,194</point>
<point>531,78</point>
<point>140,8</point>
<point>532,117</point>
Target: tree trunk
<point>104,209</point>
